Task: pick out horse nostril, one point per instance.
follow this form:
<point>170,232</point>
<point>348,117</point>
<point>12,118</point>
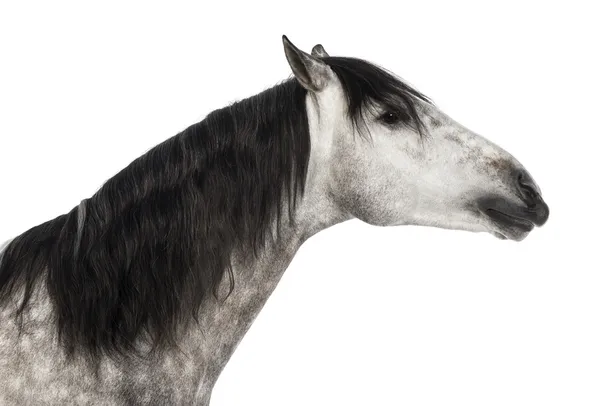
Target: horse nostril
<point>530,195</point>
<point>537,210</point>
<point>528,189</point>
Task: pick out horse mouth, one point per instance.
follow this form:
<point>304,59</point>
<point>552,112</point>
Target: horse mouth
<point>512,220</point>
<point>507,220</point>
<point>509,226</point>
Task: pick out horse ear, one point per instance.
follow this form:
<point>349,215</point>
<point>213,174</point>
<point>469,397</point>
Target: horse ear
<point>311,72</point>
<point>319,52</point>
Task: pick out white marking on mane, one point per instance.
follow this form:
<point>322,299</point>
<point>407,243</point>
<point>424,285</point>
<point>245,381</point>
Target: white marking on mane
<point>81,215</point>
<point>2,248</point>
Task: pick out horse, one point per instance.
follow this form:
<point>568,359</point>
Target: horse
<point>140,294</point>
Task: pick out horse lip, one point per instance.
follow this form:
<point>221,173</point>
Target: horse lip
<point>506,213</point>
<point>509,220</point>
<point>539,211</point>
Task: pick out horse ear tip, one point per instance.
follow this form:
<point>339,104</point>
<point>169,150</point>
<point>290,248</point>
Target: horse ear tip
<point>288,45</point>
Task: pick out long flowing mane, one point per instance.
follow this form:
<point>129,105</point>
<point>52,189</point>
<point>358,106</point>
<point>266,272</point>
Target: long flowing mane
<point>137,259</point>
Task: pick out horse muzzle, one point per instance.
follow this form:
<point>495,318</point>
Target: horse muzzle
<point>515,221</point>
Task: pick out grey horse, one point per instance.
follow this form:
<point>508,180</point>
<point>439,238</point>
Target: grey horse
<point>141,293</point>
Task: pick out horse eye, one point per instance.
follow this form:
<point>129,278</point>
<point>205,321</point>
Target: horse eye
<point>390,117</point>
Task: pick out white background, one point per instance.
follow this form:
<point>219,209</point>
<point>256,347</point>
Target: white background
<point>364,315</point>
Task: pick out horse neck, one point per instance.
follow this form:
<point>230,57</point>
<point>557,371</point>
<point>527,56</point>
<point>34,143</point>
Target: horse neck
<point>226,318</point>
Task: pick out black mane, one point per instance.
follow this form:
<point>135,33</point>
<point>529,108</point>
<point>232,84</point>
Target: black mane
<point>367,85</point>
<point>136,259</point>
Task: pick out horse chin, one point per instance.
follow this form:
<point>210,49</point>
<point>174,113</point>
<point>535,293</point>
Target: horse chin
<point>498,235</point>
<point>513,235</point>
